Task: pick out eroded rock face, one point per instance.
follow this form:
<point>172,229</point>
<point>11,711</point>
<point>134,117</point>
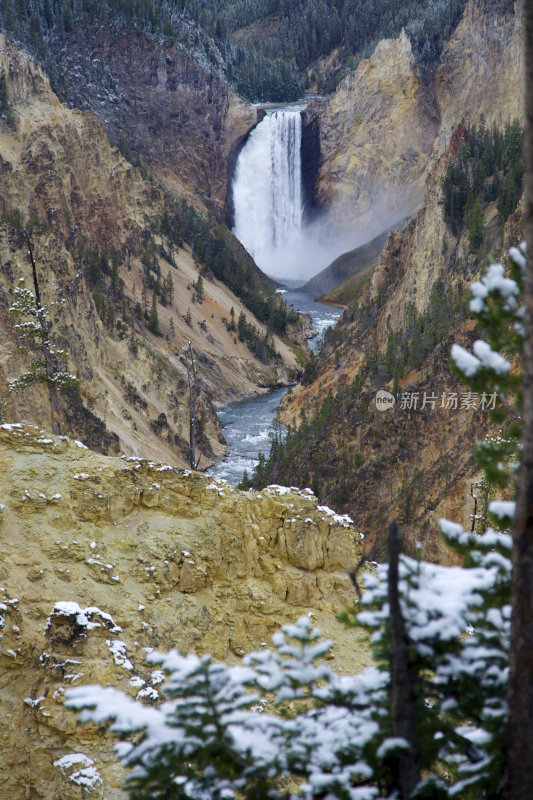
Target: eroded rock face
<point>427,452</point>
<point>60,176</point>
<point>376,134</point>
<point>365,130</point>
<point>105,558</point>
<point>182,121</point>
<point>387,124</point>
<point>481,69</point>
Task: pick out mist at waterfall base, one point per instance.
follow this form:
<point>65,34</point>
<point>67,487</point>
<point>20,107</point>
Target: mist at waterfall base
<point>269,205</point>
<point>313,248</point>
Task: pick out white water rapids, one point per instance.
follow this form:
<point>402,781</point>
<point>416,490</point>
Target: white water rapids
<point>267,192</point>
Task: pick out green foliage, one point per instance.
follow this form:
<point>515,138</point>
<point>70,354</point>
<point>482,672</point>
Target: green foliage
<point>322,450</point>
<point>153,322</point>
<point>262,346</point>
<point>116,282</point>
<point>496,306</point>
<point>269,66</point>
<point>272,65</point>
<point>15,218</point>
<point>307,454</point>
<point>488,167</point>
<point>408,349</point>
<point>101,269</point>
<point>333,736</point>
<point>474,224</point>
<point>104,308</point>
<point>338,736</point>
<point>310,372</point>
<point>3,93</point>
<point>166,294</point>
<point>221,256</point>
<point>198,287</point>
<point>245,483</point>
<point>32,326</point>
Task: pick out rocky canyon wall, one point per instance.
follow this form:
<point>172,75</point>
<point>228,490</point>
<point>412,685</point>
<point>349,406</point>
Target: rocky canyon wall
<point>415,465</point>
<point>104,559</point>
<point>387,122</point>
<point>412,463</point>
<point>63,181</point>
<point>179,118</point>
<point>376,135</point>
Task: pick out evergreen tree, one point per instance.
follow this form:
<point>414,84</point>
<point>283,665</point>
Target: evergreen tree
<point>167,290</point>
<point>3,92</point>
<point>115,280</point>
<point>520,733</point>
<point>199,289</point>
<point>271,67</point>
<point>153,322</point>
<point>242,326</point>
<point>475,224</point>
<point>33,328</point>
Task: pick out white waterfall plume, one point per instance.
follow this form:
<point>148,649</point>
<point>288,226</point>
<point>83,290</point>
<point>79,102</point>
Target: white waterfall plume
<point>267,191</point>
<point>268,205</point>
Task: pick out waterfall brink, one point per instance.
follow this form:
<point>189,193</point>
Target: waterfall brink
<point>267,190</point>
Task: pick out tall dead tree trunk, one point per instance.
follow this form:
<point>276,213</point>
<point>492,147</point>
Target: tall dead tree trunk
<point>193,391</point>
<point>520,725</point>
<point>53,394</point>
<point>401,692</point>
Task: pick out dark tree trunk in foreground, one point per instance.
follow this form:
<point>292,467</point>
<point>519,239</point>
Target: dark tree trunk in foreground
<point>401,693</point>
<point>53,394</point>
<point>520,728</point>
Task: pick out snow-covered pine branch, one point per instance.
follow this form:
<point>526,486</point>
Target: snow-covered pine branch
<point>498,309</point>
<point>212,738</point>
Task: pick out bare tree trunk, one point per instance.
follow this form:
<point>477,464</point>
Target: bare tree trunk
<point>401,693</point>
<point>520,726</point>
<point>474,515</point>
<point>193,390</point>
<point>53,394</point>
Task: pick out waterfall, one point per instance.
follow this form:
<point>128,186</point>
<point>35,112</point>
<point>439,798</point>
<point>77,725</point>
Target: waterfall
<point>267,190</point>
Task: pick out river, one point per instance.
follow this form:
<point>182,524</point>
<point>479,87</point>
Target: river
<point>323,316</point>
<point>249,424</point>
<point>268,201</point>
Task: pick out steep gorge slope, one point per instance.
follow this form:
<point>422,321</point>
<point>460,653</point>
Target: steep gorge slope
<point>106,558</point>
<point>415,464</point>
<point>375,135</point>
<point>181,120</point>
<point>388,121</point>
<point>87,206</point>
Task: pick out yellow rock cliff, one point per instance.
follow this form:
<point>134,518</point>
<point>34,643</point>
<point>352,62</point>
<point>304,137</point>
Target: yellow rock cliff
<point>387,123</point>
<point>104,558</point>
